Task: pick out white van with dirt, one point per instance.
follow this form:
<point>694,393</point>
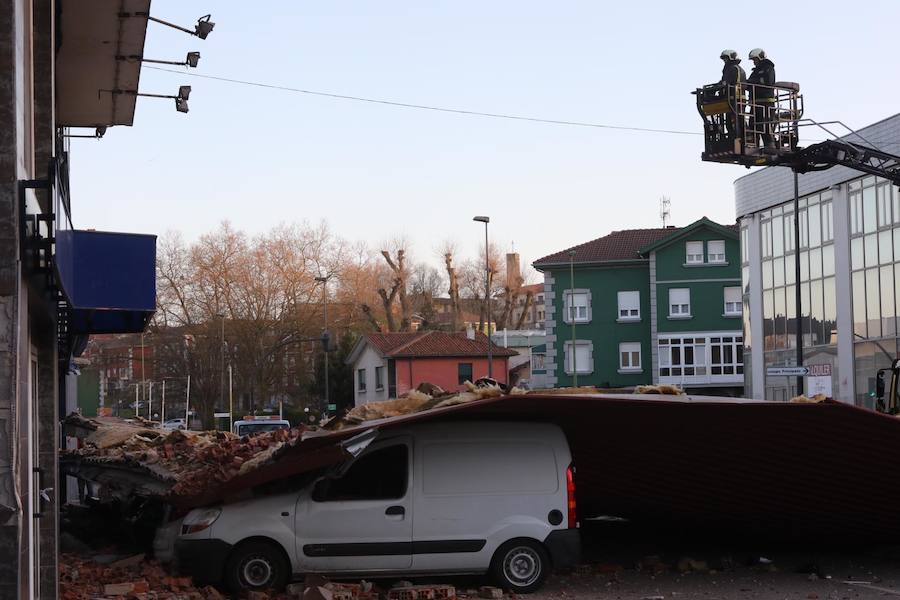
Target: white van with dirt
<point>428,499</point>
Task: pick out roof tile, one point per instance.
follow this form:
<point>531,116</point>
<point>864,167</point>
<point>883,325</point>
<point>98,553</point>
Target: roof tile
<point>433,343</point>
<point>618,245</point>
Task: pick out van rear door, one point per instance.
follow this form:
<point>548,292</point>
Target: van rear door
<point>361,520</point>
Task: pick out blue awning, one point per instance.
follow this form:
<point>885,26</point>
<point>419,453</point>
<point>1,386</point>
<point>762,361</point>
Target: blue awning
<point>108,278</point>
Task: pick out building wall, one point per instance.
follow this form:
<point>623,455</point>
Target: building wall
<point>848,283</point>
<point>603,330</point>
<point>444,371</point>
<point>368,360</point>
<point>28,360</point>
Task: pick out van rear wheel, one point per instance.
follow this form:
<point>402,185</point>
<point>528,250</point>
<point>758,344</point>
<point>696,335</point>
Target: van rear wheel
<point>520,565</point>
<point>256,565</point>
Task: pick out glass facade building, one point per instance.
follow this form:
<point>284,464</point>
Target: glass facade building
<point>848,248</point>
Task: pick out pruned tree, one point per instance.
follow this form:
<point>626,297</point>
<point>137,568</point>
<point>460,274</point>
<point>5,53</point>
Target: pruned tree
<point>453,288</point>
<point>529,301</point>
<point>398,267</point>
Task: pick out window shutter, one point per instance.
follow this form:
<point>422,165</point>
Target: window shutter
<point>732,294</point>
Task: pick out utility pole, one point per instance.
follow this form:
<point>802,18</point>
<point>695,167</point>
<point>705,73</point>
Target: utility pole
<point>222,364</point>
<point>572,316</point>
<point>798,296</point>
<point>326,341</point>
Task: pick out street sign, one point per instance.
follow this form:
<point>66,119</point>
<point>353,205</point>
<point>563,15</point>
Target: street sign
<point>332,407</point>
<point>787,371</point>
<point>221,415</point>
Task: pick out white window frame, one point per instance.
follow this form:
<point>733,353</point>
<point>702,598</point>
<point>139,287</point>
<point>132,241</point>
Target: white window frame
<point>379,385</point>
<point>361,380</point>
<point>629,305</point>
<point>694,257</point>
<point>733,306</point>
<point>679,369</point>
<point>731,343</point>
<point>567,306</point>
<point>627,351</point>
<point>715,258</point>
<point>682,310</point>
<point>582,369</point>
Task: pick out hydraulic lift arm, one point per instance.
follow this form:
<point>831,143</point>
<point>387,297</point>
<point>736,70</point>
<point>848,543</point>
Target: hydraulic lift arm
<point>829,153</point>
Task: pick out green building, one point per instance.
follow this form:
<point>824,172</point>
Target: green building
<point>647,306</point>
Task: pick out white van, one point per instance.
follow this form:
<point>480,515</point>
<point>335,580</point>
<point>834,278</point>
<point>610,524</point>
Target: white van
<point>434,498</point>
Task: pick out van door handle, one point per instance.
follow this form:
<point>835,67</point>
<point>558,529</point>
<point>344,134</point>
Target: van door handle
<point>395,513</point>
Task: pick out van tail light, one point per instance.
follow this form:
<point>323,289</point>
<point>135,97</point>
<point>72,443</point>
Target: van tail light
<point>570,497</point>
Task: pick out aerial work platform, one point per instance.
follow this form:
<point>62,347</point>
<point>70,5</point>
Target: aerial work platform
<point>757,125</point>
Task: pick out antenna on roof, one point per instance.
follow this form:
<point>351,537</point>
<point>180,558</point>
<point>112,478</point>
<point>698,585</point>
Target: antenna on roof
<point>665,209</point>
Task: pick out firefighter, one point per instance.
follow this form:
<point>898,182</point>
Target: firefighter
<point>733,77</point>
<point>762,95</point>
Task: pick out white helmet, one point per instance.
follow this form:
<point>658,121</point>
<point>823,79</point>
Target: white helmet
<point>728,54</point>
<point>757,53</point>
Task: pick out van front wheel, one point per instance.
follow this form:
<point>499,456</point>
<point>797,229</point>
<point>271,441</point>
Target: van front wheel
<point>520,565</point>
<point>256,565</point>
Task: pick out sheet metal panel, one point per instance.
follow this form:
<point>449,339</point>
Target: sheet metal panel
<point>91,34</point>
<point>801,469</point>
<point>108,278</point>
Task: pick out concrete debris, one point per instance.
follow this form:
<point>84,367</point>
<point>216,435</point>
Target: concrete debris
<point>82,578</point>
<point>180,462</point>
<point>419,400</point>
<point>806,400</point>
<point>491,593</point>
<point>689,565</point>
<point>662,388</point>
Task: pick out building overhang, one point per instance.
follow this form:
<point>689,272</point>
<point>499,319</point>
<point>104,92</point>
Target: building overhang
<point>109,280</point>
<point>93,36</point>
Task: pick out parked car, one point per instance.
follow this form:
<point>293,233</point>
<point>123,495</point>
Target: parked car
<point>251,425</point>
<point>172,424</point>
<point>435,498</point>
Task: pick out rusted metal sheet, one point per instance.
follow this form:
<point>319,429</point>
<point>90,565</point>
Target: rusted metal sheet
<point>822,469</point>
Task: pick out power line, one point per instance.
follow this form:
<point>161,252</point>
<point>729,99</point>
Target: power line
<point>457,111</point>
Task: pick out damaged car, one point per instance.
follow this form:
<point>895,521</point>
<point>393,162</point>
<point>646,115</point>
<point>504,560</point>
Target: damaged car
<point>432,498</point>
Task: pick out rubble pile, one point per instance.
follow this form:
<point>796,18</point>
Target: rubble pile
<point>426,397</point>
<point>185,460</point>
<point>85,579</point>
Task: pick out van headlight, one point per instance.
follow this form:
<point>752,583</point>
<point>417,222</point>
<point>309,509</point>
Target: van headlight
<point>199,519</point>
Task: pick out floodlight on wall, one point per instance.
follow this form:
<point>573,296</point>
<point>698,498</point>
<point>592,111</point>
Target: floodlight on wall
<point>202,29</point>
<point>181,104</point>
<point>190,60</point>
<point>99,132</point>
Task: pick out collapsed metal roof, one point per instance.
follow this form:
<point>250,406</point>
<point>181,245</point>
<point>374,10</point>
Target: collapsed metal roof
<point>812,468</point>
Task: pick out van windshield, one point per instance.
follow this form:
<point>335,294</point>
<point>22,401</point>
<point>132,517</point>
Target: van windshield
<point>254,428</point>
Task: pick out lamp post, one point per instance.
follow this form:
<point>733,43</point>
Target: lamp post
<point>222,363</point>
<point>798,297</point>
<point>325,340</point>
<point>572,316</point>
<point>487,292</point>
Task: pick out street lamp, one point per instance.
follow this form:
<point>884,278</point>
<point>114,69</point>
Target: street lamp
<point>222,363</point>
<point>572,316</point>
<point>487,291</point>
<point>325,341</point>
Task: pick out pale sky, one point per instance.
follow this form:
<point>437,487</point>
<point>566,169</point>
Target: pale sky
<point>258,157</point>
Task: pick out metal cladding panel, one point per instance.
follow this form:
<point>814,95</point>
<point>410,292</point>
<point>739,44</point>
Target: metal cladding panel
<point>108,278</point>
<point>92,33</point>
<point>824,469</point>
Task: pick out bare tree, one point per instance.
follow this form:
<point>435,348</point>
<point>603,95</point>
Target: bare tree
<point>398,289</point>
